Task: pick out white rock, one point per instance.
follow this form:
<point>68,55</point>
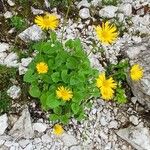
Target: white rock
<point>23,65</point>
<point>8,14</point>
<point>47,4</point>
<point>46,138</point>
<point>33,33</point>
<point>14,92</point>
<point>137,39</point>
<point>23,126</point>
<point>37,140</point>
<point>138,137</point>
<point>83,3</point>
<point>29,147</point>
<point>11,60</point>
<point>120,16</point>
<point>113,124</point>
<point>75,148</point>
<point>2,142</point>
<point>95,2</point>
<point>108,11</point>
<point>134,120</point>
<point>4,47</point>
<point>133,52</point>
<point>3,55</point>
<point>22,69</point>
<point>134,100</point>
<point>84,13</point>
<point>126,9</point>
<point>36,11</point>
<point>103,121</point>
<point>69,140</point>
<point>40,127</point>
<point>103,135</point>
<point>10,2</point>
<point>3,123</point>
<point>23,143</point>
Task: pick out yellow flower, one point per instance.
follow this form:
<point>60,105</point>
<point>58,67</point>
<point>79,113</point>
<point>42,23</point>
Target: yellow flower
<point>107,34</point>
<point>58,130</point>
<point>49,21</point>
<point>136,72</point>
<point>106,86</point>
<point>107,94</point>
<point>64,93</point>
<point>42,67</point>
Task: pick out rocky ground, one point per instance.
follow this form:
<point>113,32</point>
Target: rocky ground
<point>109,126</point>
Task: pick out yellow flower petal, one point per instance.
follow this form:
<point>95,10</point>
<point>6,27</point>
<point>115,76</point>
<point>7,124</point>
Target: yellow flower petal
<point>107,34</point>
<point>42,68</point>
<point>64,93</point>
<point>58,129</point>
<point>106,86</point>
<point>49,21</point>
<point>136,72</point>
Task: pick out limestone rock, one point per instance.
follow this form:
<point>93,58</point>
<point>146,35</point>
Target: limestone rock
<point>138,137</point>
<point>33,33</point>
<point>4,47</point>
<point>40,127</point>
<point>11,60</point>
<point>140,54</point>
<point>108,11</point>
<point>14,92</point>
<point>84,13</point>
<point>83,3</point>
<point>23,126</point>
<point>3,123</point>
<point>69,140</point>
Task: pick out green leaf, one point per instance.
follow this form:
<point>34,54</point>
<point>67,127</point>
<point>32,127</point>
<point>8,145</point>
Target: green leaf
<point>29,76</point>
<point>55,77</point>
<point>72,63</point>
<point>43,99</point>
<point>78,97</point>
<point>58,110</point>
<point>34,91</point>
<point>46,78</point>
<point>52,101</point>
<point>65,76</point>
<point>53,37</point>
<point>75,108</point>
<point>54,117</point>
<point>64,119</point>
<point>120,96</point>
<point>74,80</point>
<point>95,92</point>
<point>51,63</point>
<point>61,58</point>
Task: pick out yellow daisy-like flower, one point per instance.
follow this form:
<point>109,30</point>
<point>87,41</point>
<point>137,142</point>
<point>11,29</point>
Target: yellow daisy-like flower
<point>107,94</point>
<point>42,68</point>
<point>136,72</point>
<point>106,33</point>
<point>49,21</point>
<point>64,93</point>
<point>106,86</point>
<point>58,129</point>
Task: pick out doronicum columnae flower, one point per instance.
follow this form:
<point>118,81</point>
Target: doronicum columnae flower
<point>58,129</point>
<point>49,21</point>
<point>136,72</point>
<point>106,86</point>
<point>64,93</point>
<point>42,68</point>
<point>107,33</point>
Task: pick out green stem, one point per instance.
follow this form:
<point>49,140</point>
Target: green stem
<point>65,20</point>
